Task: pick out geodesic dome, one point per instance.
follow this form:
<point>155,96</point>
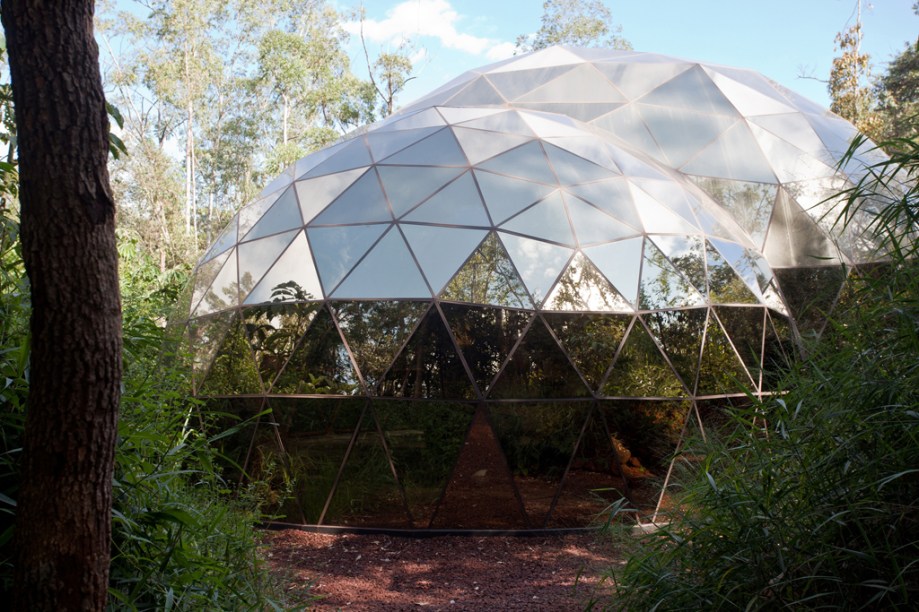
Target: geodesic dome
<point>503,306</point>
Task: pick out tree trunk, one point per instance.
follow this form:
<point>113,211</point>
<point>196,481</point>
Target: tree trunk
<point>63,518</point>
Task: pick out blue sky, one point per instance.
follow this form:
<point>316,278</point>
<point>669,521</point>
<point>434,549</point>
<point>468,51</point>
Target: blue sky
<point>782,39</point>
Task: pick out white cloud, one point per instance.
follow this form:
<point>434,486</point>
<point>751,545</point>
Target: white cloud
<point>501,51</point>
<point>414,19</point>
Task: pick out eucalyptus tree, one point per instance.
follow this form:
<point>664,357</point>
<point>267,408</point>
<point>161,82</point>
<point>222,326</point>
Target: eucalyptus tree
<point>582,23</point>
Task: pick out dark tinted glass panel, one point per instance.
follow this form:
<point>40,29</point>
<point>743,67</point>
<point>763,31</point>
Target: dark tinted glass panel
<point>591,340</point>
<point>320,363</point>
<point>485,336</point>
<point>424,441</point>
<point>662,286</point>
<point>488,277</point>
<point>273,331</point>
<point>481,493</point>
<point>720,370</point>
<point>724,286</point>
<point>641,370</point>
<point>810,294</point>
<point>205,336</point>
<point>679,333</point>
<point>237,421</point>
<point>538,368</point>
<point>778,351</point>
<point>428,366</point>
<point>538,441</point>
<point>233,371</point>
<point>744,327</point>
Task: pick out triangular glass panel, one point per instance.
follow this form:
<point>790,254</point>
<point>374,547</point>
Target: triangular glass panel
<point>745,327</point>
<point>527,161</point>
<point>257,256</point>
<point>518,82</point>
<point>226,240</point>
<point>546,220</point>
<point>204,277</point>
<point>773,299</point>
<point>384,144</point>
<point>811,294</point>
<point>687,254</point>
<point>613,197</point>
<point>591,340</point>
<point>750,204</point>
<point>488,277</point>
<point>593,226</point>
<point>779,350</point>
<point>640,369</point>
<point>506,196</point>
<point>582,84</point>
<point>406,186</point>
<point>387,271</point>
<point>315,435</point>
<point>441,250</point>
<point>746,100</point>
<point>637,79</point>
<point>479,93</point>
<point>233,371</point>
<point>480,145</point>
<point>627,123</point>
<point>539,263</point>
<point>587,146</point>
<point>674,196</point>
<point>253,212</point>
<point>724,286</point>
<point>320,364</point>
<point>292,279</point>
<point>454,115</point>
<point>424,441</point>
<point>305,164</point>
<point>458,203</point>
<point>795,129</point>
<point>692,89</point>
<point>720,371</point>
<point>750,265</point>
<point>425,118</point>
<point>620,262</point>
<point>273,331</point>
<point>439,149</point>
<point>480,493</point>
<point>315,194</point>
<point>352,155</point>
<point>794,238</point>
<point>720,159</point>
<point>657,218</point>
<point>223,292</point>
<point>538,368</point>
<point>595,479</point>
<point>205,336</point>
<point>284,215</point>
<point>571,169</point>
<point>238,420</point>
<point>368,492</point>
<point>582,111</point>
<point>501,124</point>
<point>538,441</point>
<point>583,288</point>
<point>485,336</point>
<point>362,202</point>
<point>788,161</point>
<point>662,285</point>
<point>375,331</point>
<point>679,333</point>
<point>548,57</point>
<point>428,367</point>
<point>835,132</point>
<point>337,249</point>
<point>552,126</point>
<point>681,132</point>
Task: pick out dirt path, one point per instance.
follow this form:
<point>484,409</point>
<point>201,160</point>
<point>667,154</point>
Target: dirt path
<point>378,572</point>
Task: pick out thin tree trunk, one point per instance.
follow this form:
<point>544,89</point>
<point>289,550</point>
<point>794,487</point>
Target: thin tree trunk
<point>63,528</point>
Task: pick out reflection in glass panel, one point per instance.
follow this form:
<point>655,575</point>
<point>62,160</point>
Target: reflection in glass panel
<point>810,294</point>
<point>481,492</point>
<point>292,279</point>
<point>384,144</point>
<point>538,441</point>
<point>539,263</point>
<point>368,492</point>
<point>657,218</point>
<point>636,79</point>
<point>439,149</point>
<point>720,159</point>
<point>641,370</point>
<point>440,251</point>
<point>593,226</point>
<point>505,122</point>
<point>749,266</point>
<point>506,196</point>
<point>284,215</point>
<point>662,286</point>
<point>488,277</point>
<point>320,363</point>
<point>485,336</point>
<point>315,435</point>
<point>687,254</point>
<point>480,145</point>
<point>252,212</point>
<point>424,440</point>
<point>724,286</point>
<point>237,419</point>
<point>223,292</point>
<point>226,239</point>
<point>256,257</point>
<point>479,93</point>
<point>744,327</point>
<point>794,239</point>
<point>681,132</point>
<point>204,277</point>
<point>375,331</point>
<point>750,204</point>
<point>315,194</point>
<point>582,84</point>
<point>720,370</point>
<point>233,371</point>
<point>538,368</point>
<point>518,82</point>
<point>350,155</point>
<point>527,162</point>
<point>428,366</point>
<point>679,333</point>
<point>336,249</point>
<point>547,220</point>
<point>204,337</point>
<point>362,202</point>
<point>612,197</point>
<point>406,186</point>
<point>620,262</point>
<point>388,271</point>
<point>591,340</point>
<point>571,169</point>
<point>779,349</point>
<point>583,287</point>
<point>692,89</point>
<point>458,203</point>
<point>273,331</point>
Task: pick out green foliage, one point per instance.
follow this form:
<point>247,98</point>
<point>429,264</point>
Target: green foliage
<point>810,499</point>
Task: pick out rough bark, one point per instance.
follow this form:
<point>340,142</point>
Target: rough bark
<point>63,518</point>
